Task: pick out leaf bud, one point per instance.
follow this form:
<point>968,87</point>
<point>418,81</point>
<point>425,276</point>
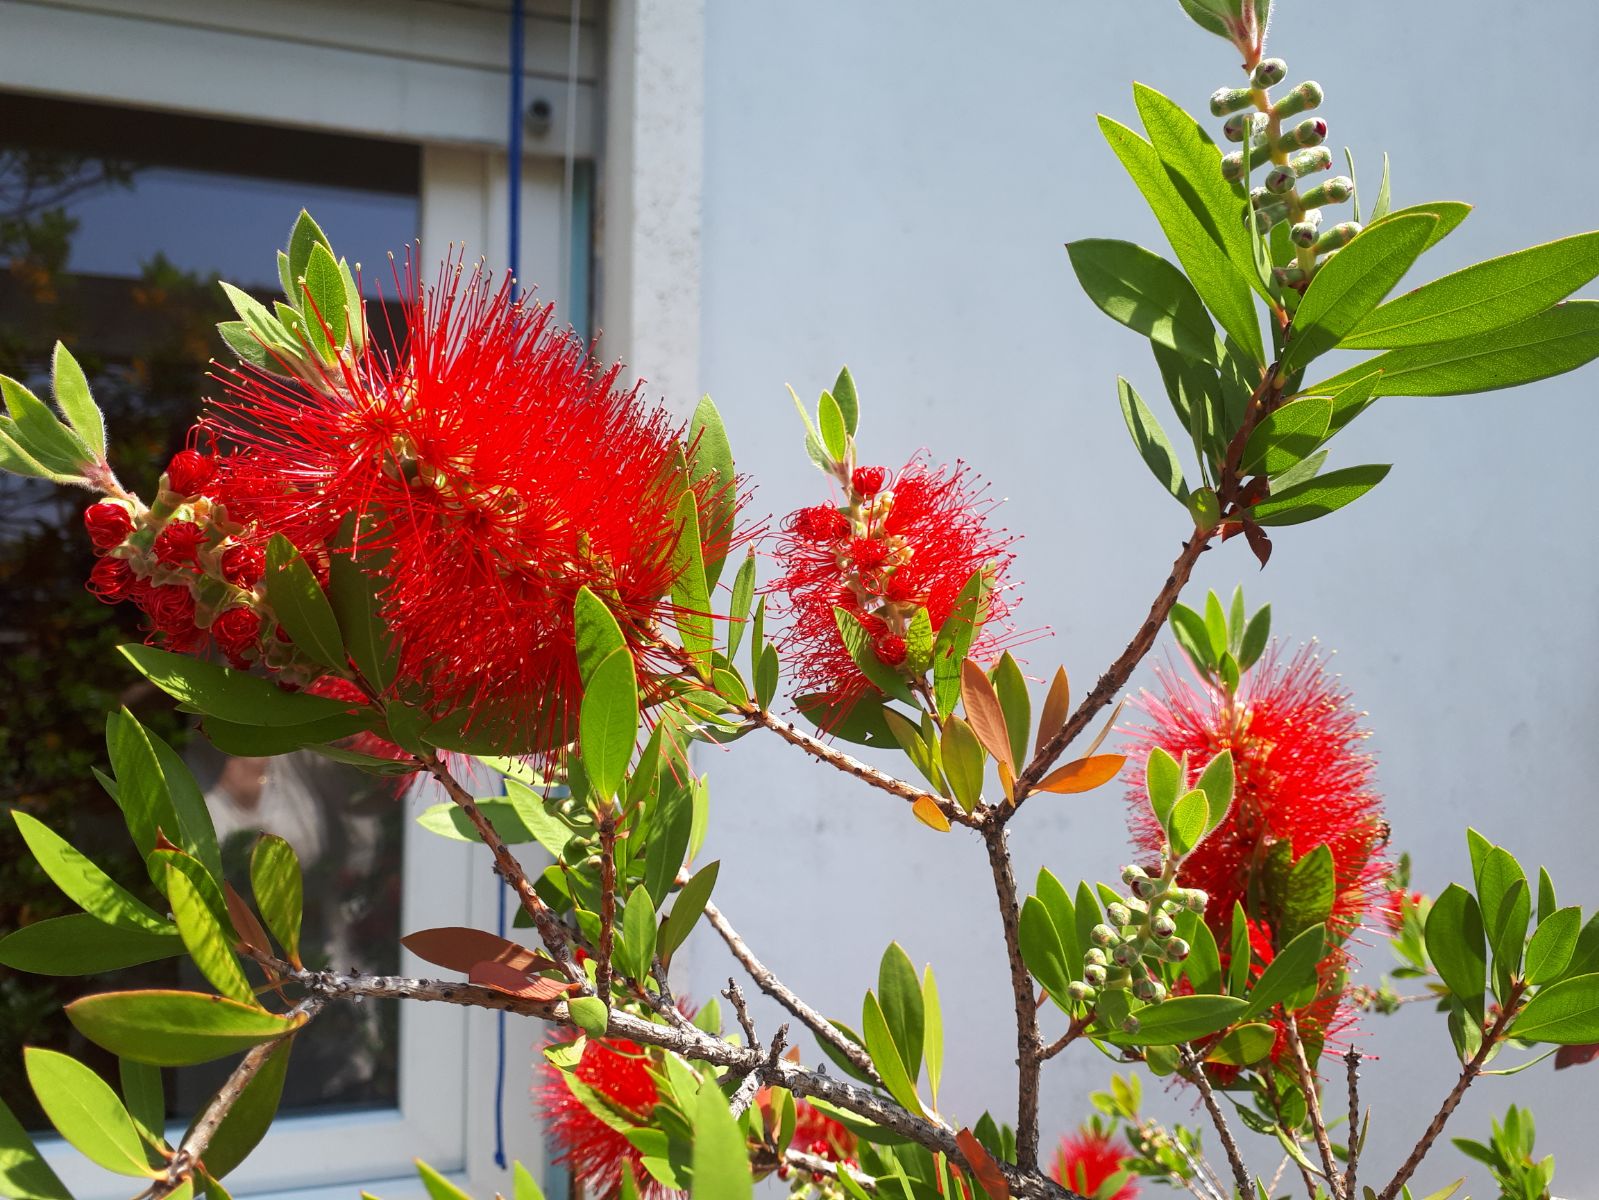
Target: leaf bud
<point>1176,950</point>
<point>1163,926</point>
<point>1094,976</point>
<point>1338,236</point>
<point>1103,935</point>
<point>1269,72</point>
<point>1303,98</point>
<point>1118,915</point>
<point>1081,992</point>
<point>1133,872</point>
<point>1130,1024</point>
<point>1095,957</point>
<point>1329,191</point>
<point>1243,124</point>
<point>1231,100</point>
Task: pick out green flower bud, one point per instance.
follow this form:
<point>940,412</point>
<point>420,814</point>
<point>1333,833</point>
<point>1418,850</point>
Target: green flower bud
<point>1118,915</point>
<point>1303,98</point>
<point>1265,218</point>
<point>1308,162</point>
<point>1127,954</point>
<point>1244,124</point>
<point>1269,72</point>
<point>1231,100</point>
<point>1176,950</point>
<point>1094,975</point>
<point>1095,957</point>
<point>1132,872</point>
<point>1081,992</point>
<point>1196,900</point>
<point>1232,166</point>
<point>1304,232</point>
<point>1329,191</point>
<point>1129,1024</point>
<point>1163,926</point>
<point>1151,990</point>
<point>1312,131</point>
<point>1103,935</point>
<point>1338,236</point>
<point>1280,181</point>
<point>1144,887</point>
<point>1290,276</point>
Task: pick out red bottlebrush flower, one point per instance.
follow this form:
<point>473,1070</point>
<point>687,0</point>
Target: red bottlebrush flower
<point>108,523</point>
<point>190,472</point>
<point>913,545</point>
<point>236,630</point>
<point>868,481</point>
<point>1301,778</point>
<point>1087,1158</point>
<point>170,608</point>
<point>496,470</point>
<point>111,580</point>
<point>595,1153</point>
<point>1393,910</point>
<point>891,648</point>
<point>243,564</point>
<point>178,543</point>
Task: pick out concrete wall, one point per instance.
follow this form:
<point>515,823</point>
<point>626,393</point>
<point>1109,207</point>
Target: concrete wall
<point>890,185</point>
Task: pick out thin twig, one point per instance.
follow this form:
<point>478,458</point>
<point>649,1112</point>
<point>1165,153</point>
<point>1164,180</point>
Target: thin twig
<point>1075,1031</point>
<point>1469,1072</point>
<point>817,1165</point>
<point>1318,1125</point>
<point>745,1095</point>
<point>736,996</point>
<point>1306,1175</point>
<point>550,928</point>
<point>606,828</point>
<point>1029,1046</point>
<point>1352,1074</point>
<point>775,988</point>
<point>191,1153</point>
<point>1219,1119</point>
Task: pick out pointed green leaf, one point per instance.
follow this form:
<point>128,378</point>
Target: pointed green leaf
<point>1563,1014</point>
<point>1186,823</point>
<point>886,1057</point>
<point>1552,945</point>
<point>1164,781</point>
<point>300,605</point>
<point>1182,1019</point>
<point>687,909</point>
<point>1457,946</point>
<point>251,1115</point>
<point>608,722</point>
<point>24,1173</point>
<point>859,644</point>
<point>900,997</point>
<point>72,398</point>
<point>78,944</point>
<point>963,759</point>
<point>848,399</point>
<point>86,1112</point>
<point>1011,688</point>
<point>279,890</point>
<point>353,595</point>
<point>1144,292</point>
<point>1290,972</point>
<point>1042,951</point>
<point>1287,436</point>
<point>597,631</point>
<point>207,943</point>
<point>1150,441</point>
<point>235,696</point>
<point>932,1031</point>
<point>1320,496</point>
<point>720,1159</point>
<point>638,933</point>
<point>690,590</point>
<point>1216,781</point>
<point>743,597</point>
<point>954,641</point>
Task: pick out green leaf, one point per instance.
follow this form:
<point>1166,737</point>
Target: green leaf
<point>326,311</point>
<point>900,997</point>
<point>638,932</point>
<point>1457,946</point>
<point>720,1159</point>
<point>300,606</point>
<point>1351,284</point>
<point>1203,964</point>
<point>231,695</point>
<point>79,944</point>
<point>886,1057</point>
<point>1506,905</point>
<point>86,1112</point>
<point>1163,778</point>
<point>830,423</point>
<point>767,673</point>
<point>251,1115</point>
<point>859,644</point>
<point>687,909</point>
<point>279,891</point>
<point>848,399</point>
<point>1225,289</point>
<point>1256,634</point>
<point>1010,685</point>
<point>1042,951</point>
<point>1216,781</point>
<point>590,1014</point>
<point>608,722</point>
<point>1547,904</point>
<point>1450,214</point>
<point>1308,895</point>
<point>1194,164</point>
<point>1182,1019</point>
<point>1239,952</point>
<point>1290,972</point>
<point>142,1093</point>
<point>743,597</point>
<point>1244,1046</point>
<point>205,939</point>
<point>932,1031</point>
<point>83,882</point>
<point>353,595</point>
<point>141,786</point>
<point>1320,496</point>
<point>690,591</point>
<point>1144,292</point>
<point>71,388</point>
<point>1188,627</point>
<point>1555,341</point>
<point>1563,1014</point>
<point>954,641</point>
<point>1550,950</point>
<point>196,833</point>
<point>523,1185</point>
<point>963,758</point>
<point>1287,436</point>
<point>41,436</point>
<point>1186,823</point>
<point>1150,440</point>
<point>1481,298</point>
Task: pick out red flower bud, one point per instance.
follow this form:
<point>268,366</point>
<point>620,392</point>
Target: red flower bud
<point>243,565</point>
<point>171,608</point>
<point>190,472</point>
<point>867,553</point>
<point>108,524</point>
<point>890,648</point>
<point>236,630</point>
<point>868,481</point>
<point>178,543</point>
<point>112,579</point>
<point>822,523</point>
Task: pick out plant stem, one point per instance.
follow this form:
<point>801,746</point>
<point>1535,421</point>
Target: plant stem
<point>1352,1074</point>
<point>1318,1126</point>
<point>1219,1119</point>
<point>1029,1046</point>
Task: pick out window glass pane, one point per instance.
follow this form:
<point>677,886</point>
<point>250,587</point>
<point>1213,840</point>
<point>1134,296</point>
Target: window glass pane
<point>113,227</point>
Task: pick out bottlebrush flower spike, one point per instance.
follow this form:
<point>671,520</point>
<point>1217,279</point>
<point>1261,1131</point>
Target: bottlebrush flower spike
<point>896,544</point>
<point>495,470</point>
<point>594,1151</point>
<point>1087,1158</point>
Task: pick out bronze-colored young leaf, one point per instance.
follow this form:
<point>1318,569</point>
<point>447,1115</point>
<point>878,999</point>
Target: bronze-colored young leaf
<point>983,713</point>
<point>1084,775</point>
<point>457,948</point>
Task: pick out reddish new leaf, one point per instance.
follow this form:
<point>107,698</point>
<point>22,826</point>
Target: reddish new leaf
<point>1057,707</point>
<point>251,934</point>
<point>926,811</point>
<point>462,949</point>
<point>984,714</point>
<point>983,1165</point>
<point>1084,775</point>
<point>517,983</point>
<point>1575,1056</point>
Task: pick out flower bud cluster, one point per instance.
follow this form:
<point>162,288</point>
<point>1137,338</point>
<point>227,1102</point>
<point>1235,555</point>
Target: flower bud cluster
<point>1139,934</point>
<point>194,572</point>
<point>1290,156</point>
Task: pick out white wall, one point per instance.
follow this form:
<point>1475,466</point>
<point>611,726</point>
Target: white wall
<point>890,185</point>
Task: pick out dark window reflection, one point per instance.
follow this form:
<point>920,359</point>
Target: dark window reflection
<point>114,226</point>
